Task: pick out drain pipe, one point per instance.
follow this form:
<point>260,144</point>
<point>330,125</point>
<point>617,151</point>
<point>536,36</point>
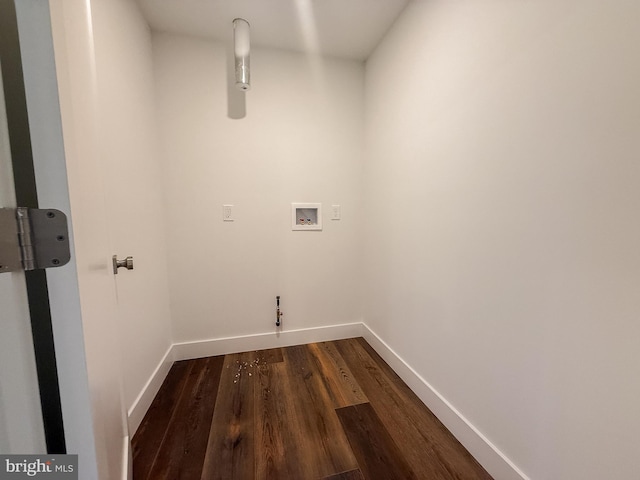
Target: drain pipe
<point>278,312</point>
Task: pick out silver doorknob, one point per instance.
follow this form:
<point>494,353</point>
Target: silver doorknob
<point>126,263</point>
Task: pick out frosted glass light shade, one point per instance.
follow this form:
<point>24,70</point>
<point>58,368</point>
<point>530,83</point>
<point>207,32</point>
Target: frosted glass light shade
<point>241,48</point>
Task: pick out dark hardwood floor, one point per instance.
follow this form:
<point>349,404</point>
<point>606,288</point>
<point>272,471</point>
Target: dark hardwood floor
<point>324,411</point>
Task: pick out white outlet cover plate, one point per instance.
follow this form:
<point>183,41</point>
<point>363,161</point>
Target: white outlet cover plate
<point>227,213</point>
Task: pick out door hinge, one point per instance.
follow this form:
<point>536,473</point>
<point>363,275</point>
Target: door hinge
<point>33,239</point>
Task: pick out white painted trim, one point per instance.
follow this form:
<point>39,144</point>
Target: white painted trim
<point>222,346</point>
<point>127,462</point>
<point>142,403</point>
<point>487,454</point>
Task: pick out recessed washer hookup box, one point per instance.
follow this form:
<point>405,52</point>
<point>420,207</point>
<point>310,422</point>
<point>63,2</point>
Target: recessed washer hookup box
<point>306,216</point>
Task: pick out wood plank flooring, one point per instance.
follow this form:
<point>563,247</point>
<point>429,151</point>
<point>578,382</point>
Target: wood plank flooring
<point>324,411</point>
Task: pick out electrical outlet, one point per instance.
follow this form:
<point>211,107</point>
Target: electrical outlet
<point>227,213</point>
<point>335,212</point>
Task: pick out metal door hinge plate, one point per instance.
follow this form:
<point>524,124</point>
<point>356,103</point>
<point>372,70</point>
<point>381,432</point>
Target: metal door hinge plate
<point>32,239</point>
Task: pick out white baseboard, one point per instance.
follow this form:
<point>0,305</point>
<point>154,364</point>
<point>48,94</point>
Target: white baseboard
<point>222,346</point>
<point>492,459</point>
<point>141,404</point>
<point>487,454</point>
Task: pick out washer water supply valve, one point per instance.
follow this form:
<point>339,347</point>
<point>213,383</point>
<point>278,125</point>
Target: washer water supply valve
<point>278,312</point>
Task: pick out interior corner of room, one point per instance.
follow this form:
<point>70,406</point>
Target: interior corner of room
<point>483,157</point>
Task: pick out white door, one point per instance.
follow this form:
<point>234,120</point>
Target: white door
<point>37,308</point>
<point>73,40</point>
<point>82,294</point>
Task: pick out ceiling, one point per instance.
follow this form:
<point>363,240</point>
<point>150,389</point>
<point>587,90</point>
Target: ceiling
<point>339,28</point>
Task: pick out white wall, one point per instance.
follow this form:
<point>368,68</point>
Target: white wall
<point>301,141</point>
<point>133,186</point>
<point>502,258</point>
